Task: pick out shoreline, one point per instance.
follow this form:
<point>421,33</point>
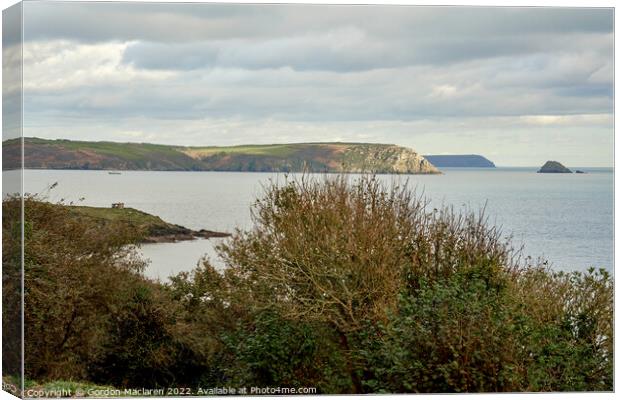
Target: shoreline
<point>183,236</point>
<point>153,229</point>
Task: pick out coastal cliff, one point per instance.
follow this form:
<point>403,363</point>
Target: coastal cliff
<point>294,157</point>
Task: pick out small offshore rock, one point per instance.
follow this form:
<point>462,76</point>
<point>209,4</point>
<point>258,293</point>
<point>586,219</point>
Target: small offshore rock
<point>554,167</point>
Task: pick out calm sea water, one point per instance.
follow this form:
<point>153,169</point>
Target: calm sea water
<point>566,218</point>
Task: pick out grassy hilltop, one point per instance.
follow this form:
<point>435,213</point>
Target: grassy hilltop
<point>296,157</point>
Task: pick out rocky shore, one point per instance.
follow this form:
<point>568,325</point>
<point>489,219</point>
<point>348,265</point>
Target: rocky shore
<point>179,233</point>
<point>151,228</point>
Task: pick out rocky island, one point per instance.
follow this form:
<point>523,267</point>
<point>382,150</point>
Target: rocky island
<point>554,167</point>
<point>291,157</point>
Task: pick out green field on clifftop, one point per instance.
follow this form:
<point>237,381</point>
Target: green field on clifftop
<point>287,157</point>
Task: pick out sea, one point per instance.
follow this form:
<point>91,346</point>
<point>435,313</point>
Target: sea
<point>566,219</point>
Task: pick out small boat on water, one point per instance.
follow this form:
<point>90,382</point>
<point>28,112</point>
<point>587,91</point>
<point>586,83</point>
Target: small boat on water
<point>113,173</point>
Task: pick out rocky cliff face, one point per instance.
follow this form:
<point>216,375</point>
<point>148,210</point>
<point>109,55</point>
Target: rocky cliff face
<point>293,157</point>
<point>554,167</point>
<point>386,159</point>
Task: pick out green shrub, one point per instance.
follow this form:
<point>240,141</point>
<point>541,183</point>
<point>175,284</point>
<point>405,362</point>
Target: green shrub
<point>273,351</point>
<point>11,289</point>
<point>74,277</point>
<point>569,344</point>
<point>238,343</point>
<point>87,307</point>
<point>341,284</point>
<point>139,349</point>
<point>450,336</point>
<point>417,299</point>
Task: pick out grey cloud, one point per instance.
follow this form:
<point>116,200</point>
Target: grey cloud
<point>213,74</point>
<point>194,22</point>
<point>400,94</point>
<point>12,26</point>
<point>342,50</point>
<point>351,49</point>
<point>11,72</point>
<point>314,37</point>
<point>171,56</point>
<point>101,21</point>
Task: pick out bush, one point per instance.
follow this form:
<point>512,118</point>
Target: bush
<point>569,343</point>
<point>450,336</point>
<point>417,299</point>
<point>238,343</point>
<point>140,348</point>
<point>273,351</point>
<point>11,288</point>
<point>346,286</point>
<point>87,307</point>
<point>74,280</point>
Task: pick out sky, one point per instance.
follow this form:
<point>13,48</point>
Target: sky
<point>517,85</point>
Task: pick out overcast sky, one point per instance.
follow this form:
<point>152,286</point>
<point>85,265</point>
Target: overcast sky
<point>519,86</point>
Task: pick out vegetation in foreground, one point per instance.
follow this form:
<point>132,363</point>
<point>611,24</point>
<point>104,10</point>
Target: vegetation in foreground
<point>346,287</point>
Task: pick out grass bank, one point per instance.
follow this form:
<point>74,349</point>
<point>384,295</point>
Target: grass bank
<point>152,229</point>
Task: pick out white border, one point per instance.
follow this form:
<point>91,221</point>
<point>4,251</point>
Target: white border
<point>506,3</point>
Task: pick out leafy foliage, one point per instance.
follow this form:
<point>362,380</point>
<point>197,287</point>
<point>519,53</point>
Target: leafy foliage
<point>344,285</point>
<point>419,300</point>
<point>84,296</point>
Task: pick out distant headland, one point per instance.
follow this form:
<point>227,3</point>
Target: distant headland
<point>293,157</point>
<point>460,161</point>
